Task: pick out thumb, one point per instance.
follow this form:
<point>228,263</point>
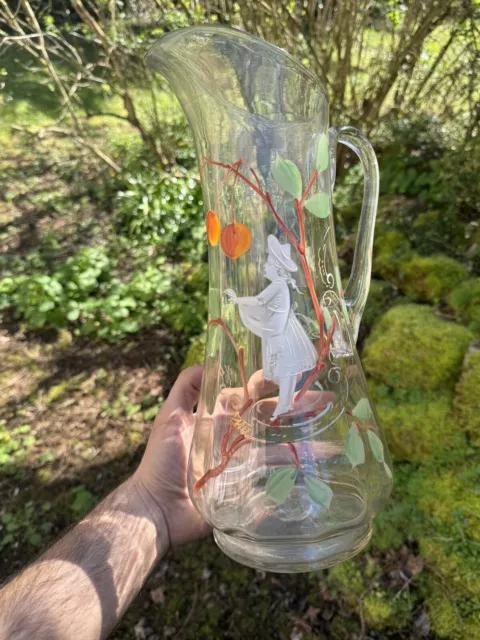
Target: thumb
<point>186,390</point>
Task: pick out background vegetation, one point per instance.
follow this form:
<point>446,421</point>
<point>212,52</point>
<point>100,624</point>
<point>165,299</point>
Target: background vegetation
<point>103,286</point>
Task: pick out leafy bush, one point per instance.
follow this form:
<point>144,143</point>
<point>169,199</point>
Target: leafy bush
<point>86,294</point>
<point>161,210</point>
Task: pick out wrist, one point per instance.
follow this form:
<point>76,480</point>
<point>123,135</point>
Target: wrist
<point>147,507</point>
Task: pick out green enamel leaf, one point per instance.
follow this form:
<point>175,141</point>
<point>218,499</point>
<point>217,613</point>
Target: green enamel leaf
<point>354,449</point>
<point>318,204</point>
<point>319,491</point>
<point>327,316</point>
<point>287,175</point>
<point>388,471</point>
<point>376,446</point>
<point>322,152</point>
<point>280,483</point>
<point>363,410</point>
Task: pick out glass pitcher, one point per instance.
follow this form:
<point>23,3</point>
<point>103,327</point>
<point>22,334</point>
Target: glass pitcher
<point>288,463</point>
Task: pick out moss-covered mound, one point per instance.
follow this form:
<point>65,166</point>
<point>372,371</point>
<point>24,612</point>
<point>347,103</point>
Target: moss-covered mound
<point>467,397</point>
<point>410,347</point>
<point>390,250</point>
<point>421,428</point>
<point>431,278</point>
<point>465,301</point>
<point>381,296</point>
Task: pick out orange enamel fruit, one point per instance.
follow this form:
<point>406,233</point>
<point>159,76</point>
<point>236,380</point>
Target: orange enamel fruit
<point>235,239</point>
<point>213,227</point>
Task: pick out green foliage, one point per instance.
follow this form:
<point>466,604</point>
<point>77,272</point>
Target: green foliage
<point>22,527</point>
<point>162,210</point>
<point>14,446</point>
<point>196,351</point>
<point>381,296</point>
<point>82,501</point>
<point>465,301</point>
<point>467,397</point>
<point>410,347</point>
<point>431,278</point>
<point>86,294</point>
<point>420,428</point>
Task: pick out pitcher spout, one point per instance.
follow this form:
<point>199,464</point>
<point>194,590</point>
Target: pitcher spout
<point>212,68</point>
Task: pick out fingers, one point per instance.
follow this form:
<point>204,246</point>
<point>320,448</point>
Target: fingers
<point>186,390</point>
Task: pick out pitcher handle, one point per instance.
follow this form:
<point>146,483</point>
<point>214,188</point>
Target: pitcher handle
<point>356,292</point>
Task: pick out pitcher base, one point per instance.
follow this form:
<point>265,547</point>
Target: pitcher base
<point>291,557</point>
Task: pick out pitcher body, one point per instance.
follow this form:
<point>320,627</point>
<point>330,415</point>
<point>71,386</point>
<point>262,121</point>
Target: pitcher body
<point>288,463</point>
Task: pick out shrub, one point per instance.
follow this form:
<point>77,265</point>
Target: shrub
<point>467,397</point>
<point>431,278</point>
<point>465,301</point>
<point>161,210</point>
<point>410,347</point>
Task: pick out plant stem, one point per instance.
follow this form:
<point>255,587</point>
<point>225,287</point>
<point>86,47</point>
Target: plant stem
<point>216,471</point>
<point>240,355</point>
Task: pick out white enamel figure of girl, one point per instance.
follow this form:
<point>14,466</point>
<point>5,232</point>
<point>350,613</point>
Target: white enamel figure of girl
<point>287,351</point>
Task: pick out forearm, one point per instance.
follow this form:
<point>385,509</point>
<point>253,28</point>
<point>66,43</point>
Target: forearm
<point>82,585</point>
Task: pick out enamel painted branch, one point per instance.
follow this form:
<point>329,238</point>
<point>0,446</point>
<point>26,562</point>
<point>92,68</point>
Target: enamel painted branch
<point>235,239</point>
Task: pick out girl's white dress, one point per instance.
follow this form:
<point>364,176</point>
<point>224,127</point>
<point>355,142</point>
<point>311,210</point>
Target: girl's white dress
<point>286,348</point>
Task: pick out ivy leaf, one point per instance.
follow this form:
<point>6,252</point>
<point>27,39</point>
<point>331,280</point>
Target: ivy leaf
<point>280,483</point>
<point>322,152</point>
<point>354,449</point>
<point>327,316</point>
<point>388,471</point>
<point>318,204</point>
<point>287,175</point>
<point>363,410</point>
<point>376,446</point>
<point>319,491</point>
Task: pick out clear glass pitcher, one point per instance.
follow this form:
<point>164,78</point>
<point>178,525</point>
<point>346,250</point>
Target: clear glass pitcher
<point>288,463</point>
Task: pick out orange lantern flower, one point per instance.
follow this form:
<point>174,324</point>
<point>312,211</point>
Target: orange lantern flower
<point>235,240</point>
<point>213,227</point>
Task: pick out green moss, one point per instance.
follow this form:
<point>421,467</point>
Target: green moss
<point>410,347</point>
<point>453,618</point>
<point>431,278</point>
<point>378,611</point>
<point>452,497</point>
<point>196,351</point>
<point>423,429</point>
<point>348,579</point>
<point>458,570</point>
<point>467,397</point>
<point>465,301</point>
<point>391,249</point>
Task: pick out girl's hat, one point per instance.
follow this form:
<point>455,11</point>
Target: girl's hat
<point>281,253</point>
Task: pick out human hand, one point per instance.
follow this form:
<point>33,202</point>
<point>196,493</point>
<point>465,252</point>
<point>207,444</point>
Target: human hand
<point>162,475</point>
<point>231,295</point>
